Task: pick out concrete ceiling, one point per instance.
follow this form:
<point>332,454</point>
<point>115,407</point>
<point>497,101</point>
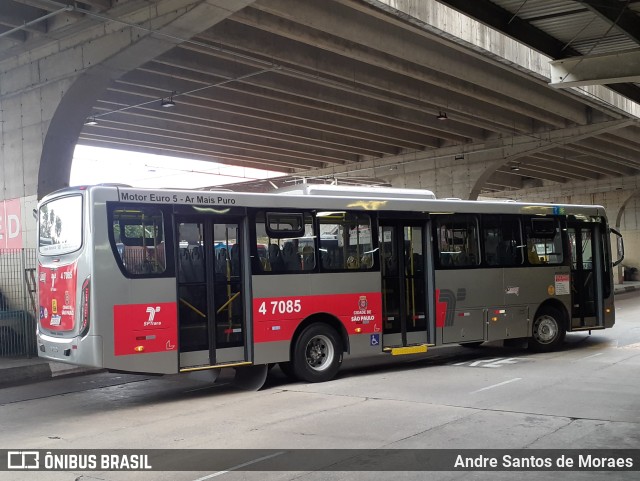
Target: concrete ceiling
<point>564,29</point>
<point>316,89</point>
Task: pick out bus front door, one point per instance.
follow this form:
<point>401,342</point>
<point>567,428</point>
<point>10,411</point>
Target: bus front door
<point>404,299</point>
<point>210,292</point>
<point>587,278</point>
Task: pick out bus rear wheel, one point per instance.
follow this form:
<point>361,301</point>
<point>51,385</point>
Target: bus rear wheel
<point>317,354</point>
<point>548,330</point>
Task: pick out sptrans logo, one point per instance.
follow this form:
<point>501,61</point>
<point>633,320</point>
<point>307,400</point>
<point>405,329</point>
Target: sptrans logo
<point>152,314</point>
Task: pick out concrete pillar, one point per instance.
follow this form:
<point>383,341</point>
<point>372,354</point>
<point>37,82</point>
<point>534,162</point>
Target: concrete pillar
<point>46,93</point>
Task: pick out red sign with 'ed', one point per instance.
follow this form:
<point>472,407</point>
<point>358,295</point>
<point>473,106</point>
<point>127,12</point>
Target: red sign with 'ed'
<point>10,228</point>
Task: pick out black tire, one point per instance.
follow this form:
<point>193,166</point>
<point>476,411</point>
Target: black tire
<point>548,330</point>
<point>472,344</point>
<point>317,354</point>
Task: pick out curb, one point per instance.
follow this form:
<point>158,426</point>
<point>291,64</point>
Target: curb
<point>41,371</point>
<point>12,376</point>
<point>622,289</point>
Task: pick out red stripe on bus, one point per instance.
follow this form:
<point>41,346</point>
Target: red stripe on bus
<point>441,310</point>
<point>276,318</point>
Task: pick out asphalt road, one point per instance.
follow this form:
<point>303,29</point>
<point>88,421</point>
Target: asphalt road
<point>585,396</point>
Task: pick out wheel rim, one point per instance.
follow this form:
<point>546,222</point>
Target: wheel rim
<point>319,353</point>
<point>546,329</point>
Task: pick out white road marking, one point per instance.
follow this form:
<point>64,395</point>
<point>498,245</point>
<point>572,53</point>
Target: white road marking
<point>219,473</point>
<point>495,362</point>
<point>592,355</point>
<point>477,363</point>
<point>497,385</point>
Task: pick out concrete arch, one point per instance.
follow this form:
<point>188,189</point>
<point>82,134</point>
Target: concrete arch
<point>484,177</point>
<point>621,210</point>
<point>509,149</point>
<point>117,53</point>
<point>624,206</point>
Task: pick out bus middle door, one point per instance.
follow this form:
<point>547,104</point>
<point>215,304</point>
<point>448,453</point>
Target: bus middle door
<point>210,292</point>
<point>404,296</point>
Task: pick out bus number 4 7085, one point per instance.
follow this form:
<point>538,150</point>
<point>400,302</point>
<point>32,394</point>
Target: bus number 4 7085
<point>281,307</point>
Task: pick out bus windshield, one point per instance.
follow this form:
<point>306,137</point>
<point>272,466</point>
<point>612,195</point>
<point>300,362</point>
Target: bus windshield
<point>60,226</point>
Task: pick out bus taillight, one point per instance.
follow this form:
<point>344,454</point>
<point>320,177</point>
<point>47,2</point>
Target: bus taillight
<point>84,327</point>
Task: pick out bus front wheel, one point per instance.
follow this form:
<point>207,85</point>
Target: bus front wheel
<point>317,354</point>
<point>548,330</point>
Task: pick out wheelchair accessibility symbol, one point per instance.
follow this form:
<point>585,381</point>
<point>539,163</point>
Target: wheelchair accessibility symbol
<point>375,339</point>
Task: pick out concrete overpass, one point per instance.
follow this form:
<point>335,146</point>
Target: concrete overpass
<point>404,92</point>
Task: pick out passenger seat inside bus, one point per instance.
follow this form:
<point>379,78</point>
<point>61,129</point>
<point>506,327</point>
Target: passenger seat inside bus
<point>308,258</point>
<point>191,262</point>
<point>276,264</point>
<point>235,260</point>
<point>507,255</point>
<point>221,261</point>
<point>290,257</point>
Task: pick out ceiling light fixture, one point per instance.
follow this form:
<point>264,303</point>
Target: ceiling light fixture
<point>168,103</point>
<point>442,116</point>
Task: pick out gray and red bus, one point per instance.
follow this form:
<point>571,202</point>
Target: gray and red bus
<point>170,281</point>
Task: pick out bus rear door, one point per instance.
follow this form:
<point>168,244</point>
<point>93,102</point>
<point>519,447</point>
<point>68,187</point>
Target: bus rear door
<point>210,280</point>
<point>587,276</point>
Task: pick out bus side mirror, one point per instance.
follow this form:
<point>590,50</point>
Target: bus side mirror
<point>620,245</point>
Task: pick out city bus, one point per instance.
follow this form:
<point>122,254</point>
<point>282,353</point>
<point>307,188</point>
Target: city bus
<point>176,281</point>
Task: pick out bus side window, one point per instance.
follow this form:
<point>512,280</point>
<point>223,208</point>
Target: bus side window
<point>138,234</point>
<point>345,241</point>
<point>502,240</point>
<point>544,241</point>
<point>457,240</point>
<point>286,240</point>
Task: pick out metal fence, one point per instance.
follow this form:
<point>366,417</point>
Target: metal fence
<point>18,302</point>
